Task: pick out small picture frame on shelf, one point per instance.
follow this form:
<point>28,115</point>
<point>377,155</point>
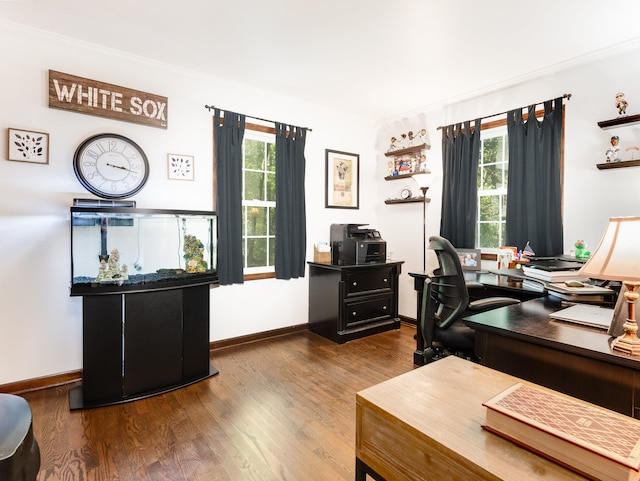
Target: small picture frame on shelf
<point>28,146</point>
<point>342,182</point>
<point>180,167</point>
<point>470,259</point>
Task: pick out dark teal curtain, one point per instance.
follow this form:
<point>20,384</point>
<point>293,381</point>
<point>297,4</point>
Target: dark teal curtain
<point>291,222</point>
<point>228,151</point>
<point>460,153</point>
<point>534,192</point>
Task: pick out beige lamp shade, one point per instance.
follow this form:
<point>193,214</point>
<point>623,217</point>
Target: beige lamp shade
<point>617,257</point>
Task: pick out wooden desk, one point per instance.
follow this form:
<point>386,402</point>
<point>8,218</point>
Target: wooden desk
<point>523,341</point>
<point>426,425</point>
<point>481,284</point>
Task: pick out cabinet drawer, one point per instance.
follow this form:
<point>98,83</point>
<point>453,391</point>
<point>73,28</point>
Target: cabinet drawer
<point>364,280</point>
<point>364,311</point>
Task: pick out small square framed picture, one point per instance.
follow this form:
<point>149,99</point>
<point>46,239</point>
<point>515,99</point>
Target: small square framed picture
<point>469,259</point>
<point>180,167</point>
<point>27,146</point>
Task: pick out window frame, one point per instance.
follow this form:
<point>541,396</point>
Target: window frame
<point>267,136</point>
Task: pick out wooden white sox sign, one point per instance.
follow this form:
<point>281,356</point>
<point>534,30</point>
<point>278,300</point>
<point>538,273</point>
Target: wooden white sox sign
<point>91,97</point>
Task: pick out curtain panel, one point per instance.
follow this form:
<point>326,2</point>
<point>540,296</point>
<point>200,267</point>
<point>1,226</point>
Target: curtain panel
<point>460,153</point>
<point>534,191</point>
<point>228,159</point>
<point>291,223</point>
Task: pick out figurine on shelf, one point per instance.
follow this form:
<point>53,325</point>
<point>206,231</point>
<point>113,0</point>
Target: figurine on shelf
<point>621,104</point>
<point>410,139</point>
<point>390,168</point>
<point>403,141</point>
<point>613,152</point>
<point>421,138</point>
<point>394,144</point>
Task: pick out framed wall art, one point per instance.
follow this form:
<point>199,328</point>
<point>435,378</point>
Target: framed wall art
<point>342,187</point>
<point>180,167</point>
<point>27,146</point>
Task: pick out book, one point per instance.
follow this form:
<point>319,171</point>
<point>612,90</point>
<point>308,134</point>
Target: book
<point>586,315</point>
<point>581,289</point>
<point>552,265</point>
<point>593,441</point>
<point>552,276</point>
<point>592,299</point>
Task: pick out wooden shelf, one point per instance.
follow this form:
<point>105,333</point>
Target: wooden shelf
<point>407,201</point>
<point>619,165</point>
<point>619,122</point>
<point>403,176</point>
<point>408,150</point>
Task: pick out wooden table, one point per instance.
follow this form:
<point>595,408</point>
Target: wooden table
<point>426,425</point>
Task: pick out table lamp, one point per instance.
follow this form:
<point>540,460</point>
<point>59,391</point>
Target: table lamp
<point>617,258</point>
<point>423,182</point>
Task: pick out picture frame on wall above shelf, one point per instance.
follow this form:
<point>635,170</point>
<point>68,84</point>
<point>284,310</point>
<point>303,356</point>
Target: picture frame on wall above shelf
<point>180,167</point>
<point>28,146</point>
<point>342,180</point>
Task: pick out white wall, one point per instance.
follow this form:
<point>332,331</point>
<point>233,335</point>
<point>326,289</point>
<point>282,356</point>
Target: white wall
<point>40,324</point>
<point>591,196</point>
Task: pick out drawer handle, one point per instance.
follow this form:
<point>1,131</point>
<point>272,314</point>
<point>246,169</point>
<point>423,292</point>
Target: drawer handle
<point>355,284</point>
<point>384,308</point>
<point>354,314</point>
<point>386,280</point>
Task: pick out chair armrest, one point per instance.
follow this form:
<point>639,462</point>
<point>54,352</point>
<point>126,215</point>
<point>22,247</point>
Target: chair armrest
<point>488,303</point>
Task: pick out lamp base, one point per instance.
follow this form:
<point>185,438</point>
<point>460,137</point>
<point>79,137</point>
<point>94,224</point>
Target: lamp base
<point>629,341</point>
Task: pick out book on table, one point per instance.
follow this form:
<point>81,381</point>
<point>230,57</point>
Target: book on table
<point>552,276</point>
<point>579,291</point>
<point>593,441</point>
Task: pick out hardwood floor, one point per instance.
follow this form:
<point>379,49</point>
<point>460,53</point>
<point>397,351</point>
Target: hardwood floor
<point>280,409</point>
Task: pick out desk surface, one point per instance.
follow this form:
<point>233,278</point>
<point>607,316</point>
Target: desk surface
<point>530,321</point>
<point>426,424</point>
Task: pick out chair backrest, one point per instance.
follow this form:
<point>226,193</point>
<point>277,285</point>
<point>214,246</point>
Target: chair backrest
<point>448,290</point>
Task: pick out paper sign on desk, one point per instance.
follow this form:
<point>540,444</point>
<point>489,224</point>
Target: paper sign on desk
<point>585,314</point>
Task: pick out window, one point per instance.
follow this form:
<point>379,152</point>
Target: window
<point>258,202</point>
<point>492,189</point>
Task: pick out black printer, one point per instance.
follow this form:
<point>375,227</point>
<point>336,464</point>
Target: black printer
<point>353,245</point>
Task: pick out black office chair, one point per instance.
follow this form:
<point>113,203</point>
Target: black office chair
<point>445,302</point>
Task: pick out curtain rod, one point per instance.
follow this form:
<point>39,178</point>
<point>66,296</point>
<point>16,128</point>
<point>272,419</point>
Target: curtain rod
<point>565,96</point>
<point>209,107</point>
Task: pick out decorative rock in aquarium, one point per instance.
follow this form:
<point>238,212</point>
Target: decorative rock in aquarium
<point>111,271</point>
<point>194,254</point>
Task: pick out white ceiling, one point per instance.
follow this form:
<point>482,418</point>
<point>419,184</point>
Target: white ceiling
<point>376,58</point>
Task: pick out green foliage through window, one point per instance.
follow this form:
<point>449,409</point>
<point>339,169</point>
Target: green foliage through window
<point>492,189</point>
<point>258,202</point>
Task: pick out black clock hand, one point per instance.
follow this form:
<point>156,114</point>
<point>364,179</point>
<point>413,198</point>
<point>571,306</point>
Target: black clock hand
<point>119,167</point>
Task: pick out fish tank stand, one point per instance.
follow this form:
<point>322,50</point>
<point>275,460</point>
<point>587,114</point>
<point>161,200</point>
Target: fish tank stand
<point>142,338</point>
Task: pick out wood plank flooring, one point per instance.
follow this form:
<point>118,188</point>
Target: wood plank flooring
<point>280,409</point>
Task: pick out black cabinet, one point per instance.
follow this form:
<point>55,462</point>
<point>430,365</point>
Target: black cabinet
<point>350,302</point>
<point>143,343</point>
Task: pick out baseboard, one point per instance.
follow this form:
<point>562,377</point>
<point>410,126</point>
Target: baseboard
<point>29,385</point>
<point>408,320</point>
<point>259,336</point>
<point>45,382</point>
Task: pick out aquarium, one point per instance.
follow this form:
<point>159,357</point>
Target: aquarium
<point>125,249</point>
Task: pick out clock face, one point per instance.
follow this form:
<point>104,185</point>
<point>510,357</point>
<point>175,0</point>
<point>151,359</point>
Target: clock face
<point>111,166</point>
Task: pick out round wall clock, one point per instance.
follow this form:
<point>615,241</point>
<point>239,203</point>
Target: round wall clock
<point>111,166</point>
